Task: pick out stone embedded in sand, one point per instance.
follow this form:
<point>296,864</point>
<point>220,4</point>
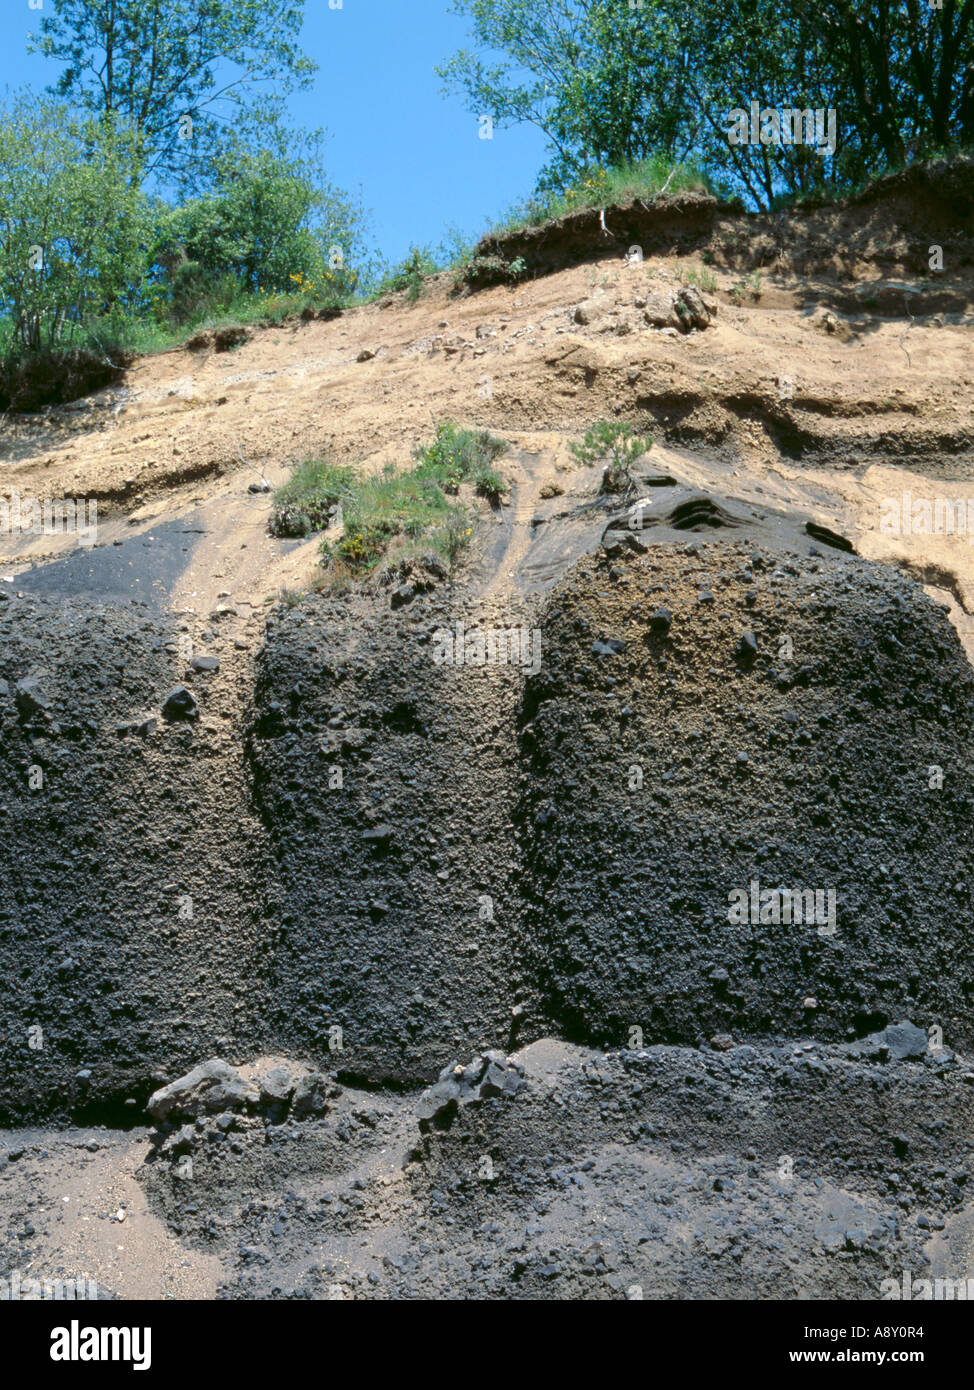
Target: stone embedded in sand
<point>31,699</point>
<point>183,1141</point>
<point>377,835</point>
<point>488,1075</point>
<point>401,595</point>
<point>589,310</point>
<point>206,1090</point>
<point>898,1041</point>
<point>180,703</point>
<point>906,1040</point>
<point>658,311</point>
<point>690,309</point>
<point>276,1086</point>
<point>310,1095</point>
<point>747,646</point>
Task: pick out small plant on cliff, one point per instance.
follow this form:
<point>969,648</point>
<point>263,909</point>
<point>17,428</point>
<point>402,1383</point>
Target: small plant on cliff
<point>611,442</point>
<point>489,483</point>
<point>700,276</point>
<point>400,507</point>
<point>457,455</point>
<point>410,273</point>
<point>480,271</point>
<point>307,501</point>
<point>387,505</point>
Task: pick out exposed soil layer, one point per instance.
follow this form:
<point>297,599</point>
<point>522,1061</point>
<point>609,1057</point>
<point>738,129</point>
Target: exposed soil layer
<point>388,784</point>
<point>888,229</point>
<point>55,379</point>
<point>130,922</point>
<point>782,1172</point>
<point>426,855</point>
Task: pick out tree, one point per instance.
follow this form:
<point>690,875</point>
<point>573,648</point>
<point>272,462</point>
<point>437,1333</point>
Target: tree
<point>908,66</point>
<point>756,50</point>
<point>177,71</point>
<point>266,225</point>
<point>605,86</point>
<point>74,226</point>
<point>611,82</point>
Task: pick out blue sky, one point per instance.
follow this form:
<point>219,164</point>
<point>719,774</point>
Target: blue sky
<point>412,154</point>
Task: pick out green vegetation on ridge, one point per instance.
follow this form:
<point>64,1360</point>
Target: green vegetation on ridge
<point>150,194</point>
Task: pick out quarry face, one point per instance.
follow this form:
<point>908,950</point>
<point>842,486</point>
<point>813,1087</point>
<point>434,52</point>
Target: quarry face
<point>591,917</point>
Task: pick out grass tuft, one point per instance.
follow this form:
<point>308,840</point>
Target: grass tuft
<point>409,508</point>
<point>307,501</point>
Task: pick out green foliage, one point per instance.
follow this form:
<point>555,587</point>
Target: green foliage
<point>747,288</point>
<point>307,501</point>
<point>480,271</point>
<point>457,455</point>
<point>455,248</point>
<point>91,269</point>
<point>611,84</point>
<point>598,77</point>
<point>411,506</point>
<point>451,535</point>
<point>598,187</point>
<point>612,442</point>
<point>264,229</point>
<point>74,229</point>
<point>488,483</point>
<point>409,273</point>
<point>701,276</point>
<point>178,72</point>
<point>389,504</point>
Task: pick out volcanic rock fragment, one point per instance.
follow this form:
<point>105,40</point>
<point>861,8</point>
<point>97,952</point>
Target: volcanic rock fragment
<point>180,703</point>
<point>206,1090</point>
<point>31,699</point>
<point>310,1095</point>
<point>898,1042</point>
<point>489,1074</point>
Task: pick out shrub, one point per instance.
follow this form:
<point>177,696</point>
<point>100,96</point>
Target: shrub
<point>489,483</point>
<point>75,227</point>
<point>265,229</point>
<point>74,236</point>
<point>409,273</point>
<point>307,501</point>
<point>701,276</point>
<point>480,272</point>
<point>381,507</point>
<point>613,442</point>
<point>598,187</point>
<point>456,455</point>
<point>412,505</point>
